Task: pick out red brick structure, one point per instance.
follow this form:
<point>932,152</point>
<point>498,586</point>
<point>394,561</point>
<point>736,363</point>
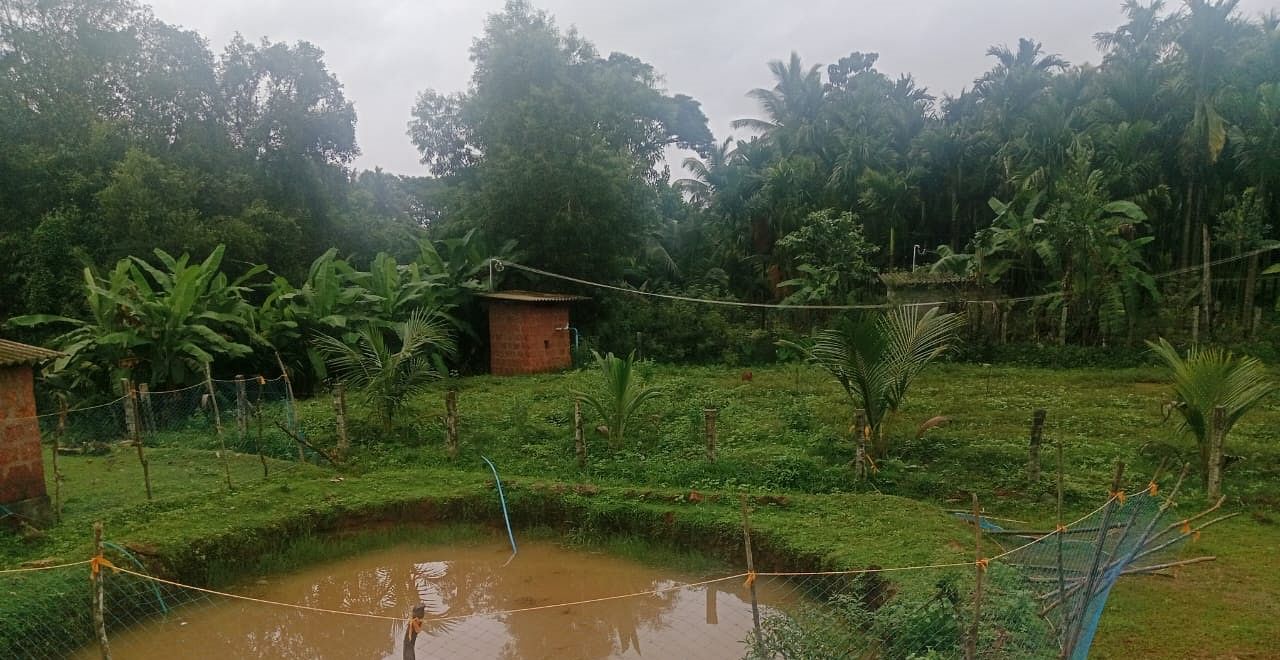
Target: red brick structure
<point>529,332</point>
<point>22,487</point>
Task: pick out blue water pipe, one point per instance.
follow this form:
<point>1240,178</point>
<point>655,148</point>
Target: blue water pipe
<point>575,334</point>
<point>141,568</point>
<point>505,516</point>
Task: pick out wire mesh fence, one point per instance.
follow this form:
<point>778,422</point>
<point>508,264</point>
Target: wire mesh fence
<point>1040,599</point>
<point>800,616</point>
<point>50,633</point>
<point>239,422</point>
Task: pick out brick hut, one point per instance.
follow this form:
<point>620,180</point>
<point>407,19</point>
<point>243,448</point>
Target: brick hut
<point>22,488</point>
<point>529,331</point>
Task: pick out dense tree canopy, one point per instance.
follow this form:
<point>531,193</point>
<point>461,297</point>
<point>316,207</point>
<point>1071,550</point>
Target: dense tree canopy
<point>1070,184</point>
<point>556,146</point>
<point>122,134</point>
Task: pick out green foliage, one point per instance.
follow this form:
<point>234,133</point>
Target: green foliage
<point>863,615</point>
<point>1210,377</point>
<point>387,371</point>
<point>166,322</point>
<point>831,256</point>
<point>875,360</point>
<point>621,394</point>
<point>559,143</point>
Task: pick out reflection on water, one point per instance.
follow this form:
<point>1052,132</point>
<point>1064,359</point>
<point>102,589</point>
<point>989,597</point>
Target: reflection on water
<point>701,622</point>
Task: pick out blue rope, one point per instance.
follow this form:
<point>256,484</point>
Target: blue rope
<point>503,498</point>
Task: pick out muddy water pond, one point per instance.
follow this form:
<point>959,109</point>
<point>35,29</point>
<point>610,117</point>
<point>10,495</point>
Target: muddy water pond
<point>468,590</point>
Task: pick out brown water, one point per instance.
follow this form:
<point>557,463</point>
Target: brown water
<point>697,622</point>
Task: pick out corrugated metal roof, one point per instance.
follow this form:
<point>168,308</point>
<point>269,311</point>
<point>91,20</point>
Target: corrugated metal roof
<point>12,353</point>
<point>531,296</point>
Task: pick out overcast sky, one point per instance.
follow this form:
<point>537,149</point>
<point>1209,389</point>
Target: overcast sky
<point>386,51</point>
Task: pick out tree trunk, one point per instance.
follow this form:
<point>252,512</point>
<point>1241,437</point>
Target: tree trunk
<point>1250,283</point>
<point>1213,466</point>
<point>1185,260</point>
<point>1206,295</point>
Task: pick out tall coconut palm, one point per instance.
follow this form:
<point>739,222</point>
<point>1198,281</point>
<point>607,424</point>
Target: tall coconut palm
<point>793,107</point>
<point>875,360</point>
<point>1207,378</point>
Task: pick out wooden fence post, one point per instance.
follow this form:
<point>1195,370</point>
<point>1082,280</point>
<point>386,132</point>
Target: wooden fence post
<point>1206,294</point>
<point>242,411</point>
<point>1062,574</point>
<point>57,445</point>
<point>293,407</point>
<point>148,411</point>
<point>579,438</point>
<point>257,417</point>
<point>451,422</point>
<point>1033,448</point>
<point>99,595</point>
<point>217,424</point>
<point>751,569</point>
<point>130,411</point>
<point>340,417</point>
<point>1217,429</point>
<point>980,568</point>
<point>709,420</point>
<point>134,424</point>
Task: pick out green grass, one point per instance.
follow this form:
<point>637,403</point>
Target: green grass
<point>784,431</point>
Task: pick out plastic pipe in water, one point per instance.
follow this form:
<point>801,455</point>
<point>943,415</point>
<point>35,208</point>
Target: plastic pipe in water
<point>505,516</point>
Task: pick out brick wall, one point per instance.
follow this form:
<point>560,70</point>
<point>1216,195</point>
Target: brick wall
<point>21,463</point>
<point>523,338</point>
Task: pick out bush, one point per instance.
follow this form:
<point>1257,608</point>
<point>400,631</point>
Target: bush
<point>679,332</point>
<point>1055,356</point>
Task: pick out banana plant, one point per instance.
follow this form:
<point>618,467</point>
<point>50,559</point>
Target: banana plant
<point>167,321</point>
<point>325,303</point>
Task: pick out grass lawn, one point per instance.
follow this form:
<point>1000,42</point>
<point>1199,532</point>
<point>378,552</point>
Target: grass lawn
<point>783,431</point>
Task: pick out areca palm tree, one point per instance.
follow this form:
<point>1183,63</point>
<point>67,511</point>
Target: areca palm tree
<point>1204,40</point>
<point>1257,146</point>
<point>1205,379</point>
<point>875,360</point>
<point>1016,82</point>
<point>387,370</point>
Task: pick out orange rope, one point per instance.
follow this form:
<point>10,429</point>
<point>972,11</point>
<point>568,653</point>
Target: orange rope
<point>444,618</point>
<point>749,579</point>
<point>98,563</point>
<point>44,568</point>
